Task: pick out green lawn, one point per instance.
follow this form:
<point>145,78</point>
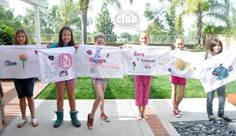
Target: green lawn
<point>124,89</point>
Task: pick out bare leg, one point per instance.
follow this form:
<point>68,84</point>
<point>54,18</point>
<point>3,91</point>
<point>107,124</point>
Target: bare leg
<point>71,95</point>
<point>60,95</point>
<point>23,107</point>
<point>173,96</point>
<point>140,112</point>
<point>102,101</point>
<point>99,98</point>
<point>181,95</point>
<point>31,106</point>
<point>143,112</point>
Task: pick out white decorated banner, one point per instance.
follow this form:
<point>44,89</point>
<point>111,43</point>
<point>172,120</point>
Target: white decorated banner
<point>218,70</point>
<point>99,61</point>
<point>185,64</point>
<point>19,61</point>
<point>148,60</point>
<point>56,64</point>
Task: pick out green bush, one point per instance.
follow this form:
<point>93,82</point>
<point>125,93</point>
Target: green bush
<point>6,35</point>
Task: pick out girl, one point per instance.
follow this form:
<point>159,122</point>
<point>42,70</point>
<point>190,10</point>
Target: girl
<point>216,47</point>
<point>100,86</point>
<point>25,87</point>
<point>65,40</point>
<point>177,82</point>
<point>142,83</point>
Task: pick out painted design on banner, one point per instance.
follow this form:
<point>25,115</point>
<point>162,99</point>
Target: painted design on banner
<point>99,61</point>
<point>23,58</point>
<point>19,62</point>
<point>96,60</point>
<point>183,66</point>
<point>221,72</point>
<point>146,61</point>
<point>64,62</point>
<point>10,63</point>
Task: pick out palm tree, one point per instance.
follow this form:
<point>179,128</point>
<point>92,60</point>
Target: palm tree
<point>83,7</point>
<point>204,8</point>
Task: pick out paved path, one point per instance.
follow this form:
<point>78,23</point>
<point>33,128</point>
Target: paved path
<point>122,113</point>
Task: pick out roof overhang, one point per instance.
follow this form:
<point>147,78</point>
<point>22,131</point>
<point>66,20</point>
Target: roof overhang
<point>41,3</point>
<point>4,3</point>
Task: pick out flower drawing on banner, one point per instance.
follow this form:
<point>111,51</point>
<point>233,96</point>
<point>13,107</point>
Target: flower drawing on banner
<point>23,58</point>
<point>89,52</point>
<point>221,72</point>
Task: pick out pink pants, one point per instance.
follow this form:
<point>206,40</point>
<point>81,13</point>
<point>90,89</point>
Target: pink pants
<point>142,89</point>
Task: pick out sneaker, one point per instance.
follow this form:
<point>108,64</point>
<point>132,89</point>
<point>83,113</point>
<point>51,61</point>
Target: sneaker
<point>211,118</point>
<point>176,113</point>
<point>225,118</point>
<point>89,122</point>
<point>104,117</point>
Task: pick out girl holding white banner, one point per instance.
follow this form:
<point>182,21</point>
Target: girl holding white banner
<point>142,83</point>
<point>65,40</point>
<point>216,48</point>
<point>100,87</point>
<point>177,82</point>
<point>24,87</point>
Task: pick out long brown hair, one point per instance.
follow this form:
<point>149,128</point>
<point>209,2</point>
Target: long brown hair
<point>213,43</point>
<point>61,43</point>
<point>20,31</point>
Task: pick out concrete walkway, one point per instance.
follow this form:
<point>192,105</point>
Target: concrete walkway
<point>123,118</point>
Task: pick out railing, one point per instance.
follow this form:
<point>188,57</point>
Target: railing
<point>155,39</point>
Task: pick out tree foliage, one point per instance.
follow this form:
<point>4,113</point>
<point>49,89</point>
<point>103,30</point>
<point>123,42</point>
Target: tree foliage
<point>7,18</point>
<point>9,24</point>
<point>104,24</point>
<point>162,21</point>
<point>126,35</point>
<point>204,10</point>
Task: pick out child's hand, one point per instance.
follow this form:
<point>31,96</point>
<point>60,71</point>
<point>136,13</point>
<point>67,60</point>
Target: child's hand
<point>36,52</point>
<point>49,45</point>
<point>121,47</point>
<point>76,48</point>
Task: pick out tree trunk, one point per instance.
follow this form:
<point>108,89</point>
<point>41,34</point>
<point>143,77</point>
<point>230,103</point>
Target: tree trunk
<point>84,25</point>
<point>199,26</point>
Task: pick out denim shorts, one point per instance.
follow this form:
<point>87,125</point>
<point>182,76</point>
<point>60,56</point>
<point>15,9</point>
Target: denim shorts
<point>101,81</point>
<point>24,87</point>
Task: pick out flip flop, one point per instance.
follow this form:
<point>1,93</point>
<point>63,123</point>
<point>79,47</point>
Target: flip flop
<point>145,117</point>
<point>34,122</point>
<point>21,123</point>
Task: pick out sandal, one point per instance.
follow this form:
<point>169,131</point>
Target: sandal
<point>139,117</point>
<point>34,122</point>
<point>145,117</point>
<point>21,123</point>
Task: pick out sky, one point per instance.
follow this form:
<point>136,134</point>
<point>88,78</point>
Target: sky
<point>119,17</point>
